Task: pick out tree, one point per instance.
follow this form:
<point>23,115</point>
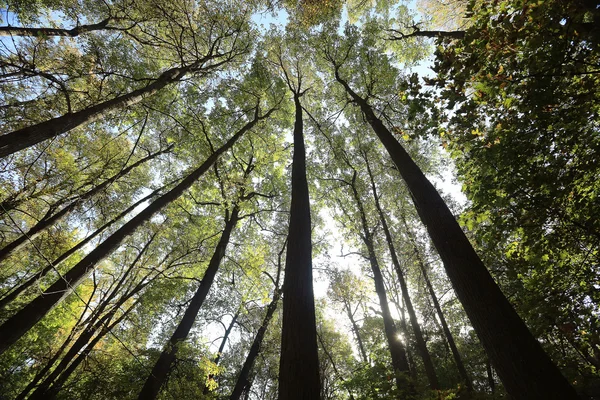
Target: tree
<point>299,364</point>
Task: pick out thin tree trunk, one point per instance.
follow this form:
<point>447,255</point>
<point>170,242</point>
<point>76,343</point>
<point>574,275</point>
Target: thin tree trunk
<point>47,32</point>
<point>421,345</point>
<point>299,362</point>
<point>525,369</point>
<point>361,346</point>
<point>222,347</point>
<point>397,350</point>
<point>411,360</point>
<point>243,382</point>
<point>50,220</point>
<point>427,34</point>
<point>22,321</point>
<point>161,369</point>
<point>52,266</point>
<point>436,304</point>
<point>490,377</point>
<point>31,135</point>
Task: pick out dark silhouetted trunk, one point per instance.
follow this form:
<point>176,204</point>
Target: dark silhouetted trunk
<point>22,321</point>
<point>490,377</point>
<point>50,220</point>
<point>31,281</point>
<point>420,341</point>
<point>299,363</point>
<point>397,350</point>
<point>47,32</point>
<point>222,346</point>
<point>524,368</point>
<point>163,365</point>
<point>436,304</point>
<point>243,382</point>
<point>104,327</point>
<point>428,34</point>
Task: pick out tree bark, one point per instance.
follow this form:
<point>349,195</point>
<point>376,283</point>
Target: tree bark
<point>22,321</point>
<point>47,32</point>
<point>243,382</point>
<point>31,135</point>
<point>524,368</point>
<point>421,345</point>
<point>428,34</point>
<point>54,264</point>
<point>299,362</point>
<point>50,220</point>
<point>161,369</point>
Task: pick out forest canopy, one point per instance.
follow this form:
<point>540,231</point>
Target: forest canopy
<point>299,199</point>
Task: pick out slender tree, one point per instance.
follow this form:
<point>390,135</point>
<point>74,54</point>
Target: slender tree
<point>213,58</point>
<point>421,345</point>
<point>396,348</point>
<point>15,292</point>
<point>299,362</point>
<point>243,382</point>
<point>161,368</point>
<point>438,308</point>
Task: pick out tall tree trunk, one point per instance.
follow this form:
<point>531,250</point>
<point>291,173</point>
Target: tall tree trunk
<point>31,135</point>
<point>525,369</point>
<point>54,264</point>
<point>490,377</point>
<point>47,32</point>
<point>361,346</point>
<point>50,220</point>
<point>22,321</point>
<point>299,362</point>
<point>243,381</point>
<point>436,304</point>
<point>421,345</point>
<point>397,350</point>
<point>222,347</point>
<point>161,369</point>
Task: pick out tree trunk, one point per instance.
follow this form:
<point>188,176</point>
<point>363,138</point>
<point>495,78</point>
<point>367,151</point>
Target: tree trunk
<point>397,350</point>
<point>421,345</point>
<point>50,220</point>
<point>361,346</point>
<point>47,32</point>
<point>52,266</point>
<point>490,377</point>
<point>525,369</point>
<point>436,304</point>
<point>161,369</point>
<point>299,363</point>
<point>22,321</point>
<point>243,382</point>
<point>222,347</point>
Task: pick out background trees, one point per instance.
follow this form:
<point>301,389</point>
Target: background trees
<point>165,132</point>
